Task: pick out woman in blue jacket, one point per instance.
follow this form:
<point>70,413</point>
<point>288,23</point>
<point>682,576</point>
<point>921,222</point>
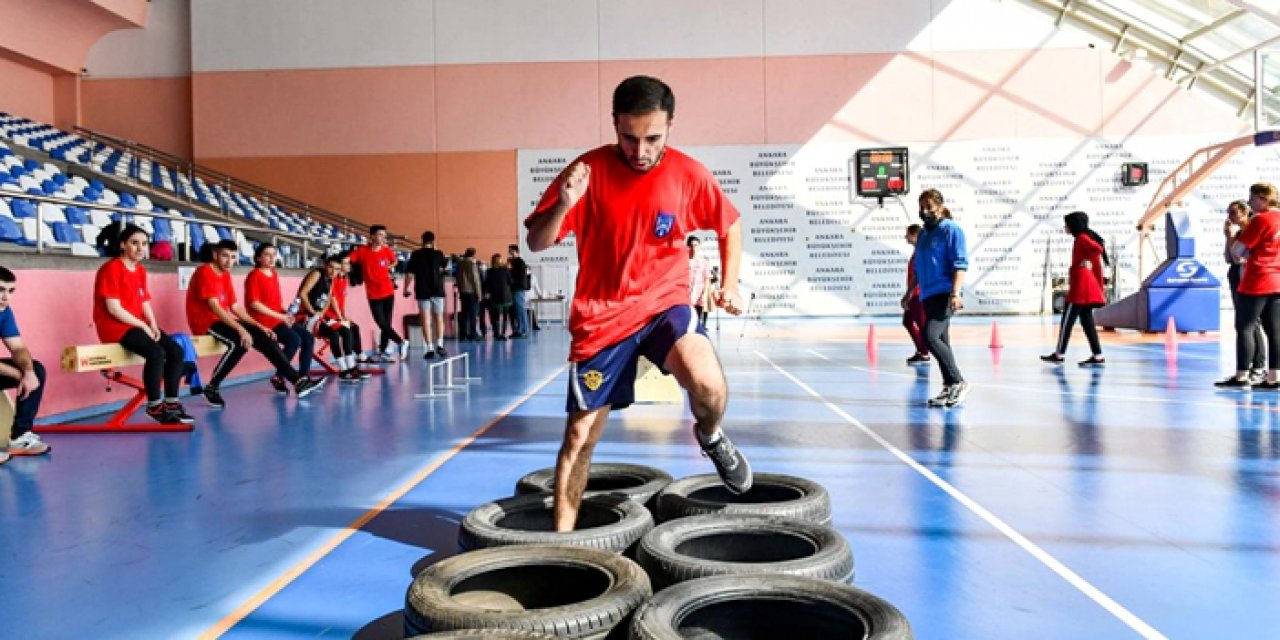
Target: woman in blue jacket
<point>940,263</point>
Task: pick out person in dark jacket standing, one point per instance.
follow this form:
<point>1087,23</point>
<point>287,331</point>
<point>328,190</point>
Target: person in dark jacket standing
<point>1084,289</point>
<point>520,286</point>
<point>498,295</point>
<point>470,288</point>
<point>941,260</point>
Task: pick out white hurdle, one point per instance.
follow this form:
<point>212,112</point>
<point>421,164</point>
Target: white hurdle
<point>447,378</point>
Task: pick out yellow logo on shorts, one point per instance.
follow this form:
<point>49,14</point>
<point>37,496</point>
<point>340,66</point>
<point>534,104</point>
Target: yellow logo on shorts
<point>593,379</point>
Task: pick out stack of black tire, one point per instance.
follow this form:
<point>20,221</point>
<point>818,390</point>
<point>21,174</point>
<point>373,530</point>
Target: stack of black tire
<point>762,565</point>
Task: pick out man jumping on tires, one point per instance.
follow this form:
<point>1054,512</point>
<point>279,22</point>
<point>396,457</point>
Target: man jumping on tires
<point>630,206</point>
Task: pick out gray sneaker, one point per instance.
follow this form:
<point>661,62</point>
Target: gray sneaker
<point>941,399</point>
<point>734,470</point>
<point>27,444</point>
<point>959,391</point>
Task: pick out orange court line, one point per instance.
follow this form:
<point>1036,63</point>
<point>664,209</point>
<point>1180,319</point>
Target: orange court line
<point>241,612</point>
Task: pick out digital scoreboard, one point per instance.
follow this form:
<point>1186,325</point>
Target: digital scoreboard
<point>880,173</point>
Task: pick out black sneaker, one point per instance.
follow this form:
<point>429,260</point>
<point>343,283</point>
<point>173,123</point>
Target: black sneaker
<point>1093,361</point>
<point>178,412</point>
<point>305,387</point>
<point>919,358</point>
<point>1053,358</point>
<point>1233,382</point>
<point>160,413</point>
<point>734,470</point>
<point>441,352</point>
<point>278,384</point>
<point>1257,376</point>
<point>430,353</point>
<point>1266,386</point>
<point>349,375</point>
<point>211,394</point>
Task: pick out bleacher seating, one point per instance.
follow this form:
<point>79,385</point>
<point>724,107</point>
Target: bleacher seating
<point>20,174</point>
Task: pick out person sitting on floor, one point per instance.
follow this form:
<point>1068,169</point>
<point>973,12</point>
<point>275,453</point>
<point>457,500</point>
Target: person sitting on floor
<point>212,309</point>
<point>22,372</point>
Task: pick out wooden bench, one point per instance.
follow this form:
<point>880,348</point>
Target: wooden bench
<point>108,359</point>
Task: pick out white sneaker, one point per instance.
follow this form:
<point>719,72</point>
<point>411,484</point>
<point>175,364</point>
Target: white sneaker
<point>27,444</point>
<point>959,391</point>
<point>404,349</point>
<point>4,457</point>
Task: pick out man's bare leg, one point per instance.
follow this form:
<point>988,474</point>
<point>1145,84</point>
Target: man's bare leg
<point>693,362</point>
<point>437,321</point>
<point>423,318</point>
<point>581,433</point>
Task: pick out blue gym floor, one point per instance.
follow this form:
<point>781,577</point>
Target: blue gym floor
<point>1134,501</point>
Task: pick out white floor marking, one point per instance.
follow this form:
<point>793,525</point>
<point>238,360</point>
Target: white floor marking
<point>1072,578</point>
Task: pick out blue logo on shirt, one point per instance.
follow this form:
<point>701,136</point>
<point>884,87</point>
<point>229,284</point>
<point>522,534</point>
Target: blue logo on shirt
<point>663,225</point>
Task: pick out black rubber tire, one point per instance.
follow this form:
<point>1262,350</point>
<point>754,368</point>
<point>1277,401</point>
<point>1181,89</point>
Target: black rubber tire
<point>492,634</point>
<point>635,481</point>
<point>741,544</point>
<point>767,607</point>
<point>568,592</point>
<point>611,523</point>
<point>771,494</point>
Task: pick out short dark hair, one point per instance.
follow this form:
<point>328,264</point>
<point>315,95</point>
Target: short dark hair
<point>640,95</point>
<point>7,275</point>
<point>513,247</point>
<point>428,237</point>
<point>229,245</point>
<point>335,258</point>
<point>913,229</point>
<point>376,228</point>
<point>688,242</point>
<point>260,249</point>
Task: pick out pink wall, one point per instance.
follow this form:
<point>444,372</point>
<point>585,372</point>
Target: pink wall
<point>46,333</point>
<point>59,33</point>
<point>25,90</point>
<point>153,111</point>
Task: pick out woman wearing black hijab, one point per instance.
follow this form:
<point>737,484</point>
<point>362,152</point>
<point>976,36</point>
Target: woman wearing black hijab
<point>1084,289</point>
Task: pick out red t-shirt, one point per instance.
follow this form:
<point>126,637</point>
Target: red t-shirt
<point>375,265</point>
<point>115,280</point>
<point>337,297</point>
<point>631,229</point>
<point>1084,283</point>
<point>264,287</point>
<point>1261,274</point>
<point>205,284</point>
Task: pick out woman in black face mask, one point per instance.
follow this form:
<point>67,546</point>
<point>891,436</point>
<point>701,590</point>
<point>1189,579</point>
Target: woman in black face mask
<point>940,262</point>
<point>1084,289</point>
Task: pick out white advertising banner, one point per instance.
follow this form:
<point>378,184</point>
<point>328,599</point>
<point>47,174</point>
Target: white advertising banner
<point>811,249</point>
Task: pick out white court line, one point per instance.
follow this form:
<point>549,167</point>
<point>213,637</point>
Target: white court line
<point>1072,578</point>
<point>1059,392</point>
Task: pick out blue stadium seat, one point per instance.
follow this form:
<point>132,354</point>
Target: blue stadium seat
<point>59,179</point>
<point>48,187</point>
<point>30,165</point>
<point>162,229</point>
<point>10,231</point>
<point>225,233</point>
<point>65,232</point>
<point>196,233</point>
<point>77,215</point>
<point>97,185</point>
<point>127,200</point>
<point>23,208</point>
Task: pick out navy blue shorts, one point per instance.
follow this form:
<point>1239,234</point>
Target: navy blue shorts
<point>609,377</point>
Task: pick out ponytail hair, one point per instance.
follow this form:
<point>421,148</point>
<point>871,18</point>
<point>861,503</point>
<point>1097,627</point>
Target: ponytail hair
<point>936,197</point>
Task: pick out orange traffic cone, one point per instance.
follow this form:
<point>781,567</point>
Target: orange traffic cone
<point>995,336</point>
<point>873,352</point>
<point>1171,334</point>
